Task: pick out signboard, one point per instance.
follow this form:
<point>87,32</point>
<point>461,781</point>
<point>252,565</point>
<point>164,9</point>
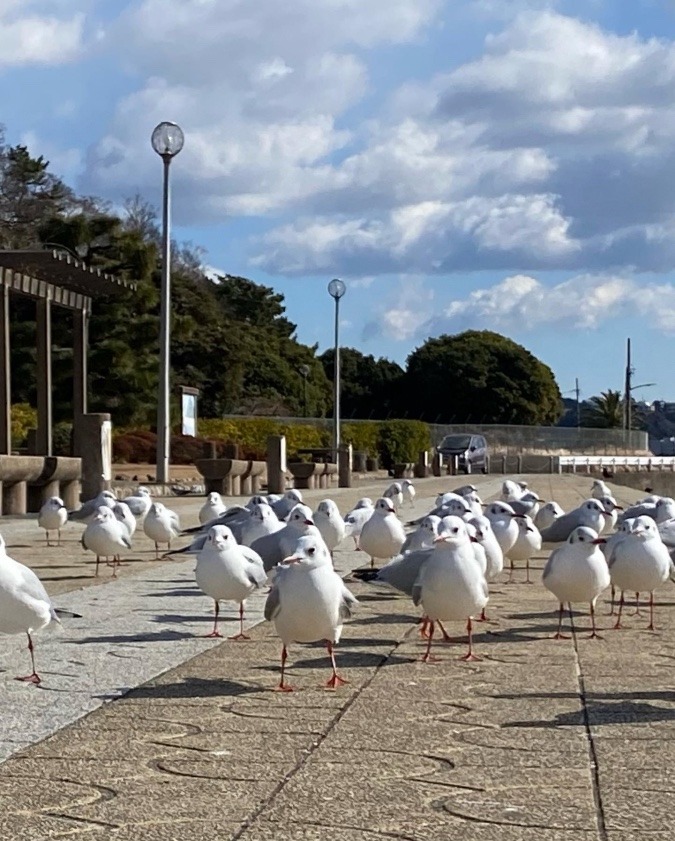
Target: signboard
<point>189,411</point>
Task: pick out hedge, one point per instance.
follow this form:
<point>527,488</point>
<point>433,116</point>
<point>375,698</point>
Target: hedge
<point>392,441</point>
<point>23,418</point>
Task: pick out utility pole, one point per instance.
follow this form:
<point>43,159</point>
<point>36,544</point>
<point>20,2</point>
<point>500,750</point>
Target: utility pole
<point>627,420</point>
<point>577,392</point>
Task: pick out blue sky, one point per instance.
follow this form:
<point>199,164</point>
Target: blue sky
<point>489,164</point>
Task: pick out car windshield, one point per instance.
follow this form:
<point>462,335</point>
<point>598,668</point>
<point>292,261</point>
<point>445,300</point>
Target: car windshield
<point>456,442</point>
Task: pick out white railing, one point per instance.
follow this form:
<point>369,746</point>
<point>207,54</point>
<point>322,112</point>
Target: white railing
<point>637,462</point>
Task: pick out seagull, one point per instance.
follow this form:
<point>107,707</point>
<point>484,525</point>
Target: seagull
<point>611,507</point>
<point>356,518</point>
<point>644,507</point>
<point>408,490</point>
<point>451,585</point>
<point>383,534</point>
<point>161,525</point>
<point>25,606</point>
<point>528,504</point>
<point>212,508</point>
<point>549,512</point>
<point>527,544</point>
<point>494,557</point>
<point>590,513</point>
<point>309,602</point>
<point>502,519</point>
<point>512,491</point>
<point>236,518</point>
<point>423,537</point>
<point>52,517</point>
<point>611,541</point>
<point>283,507</point>
<point>87,512</point>
<point>328,520</point>
<point>394,493</point>
<point>577,572</point>
<point>273,548</point>
<point>123,513</point>
<point>106,537</point>
<point>600,489</point>
<point>140,502</point>
<point>262,521</point>
<point>229,572</point>
<point>640,563</point>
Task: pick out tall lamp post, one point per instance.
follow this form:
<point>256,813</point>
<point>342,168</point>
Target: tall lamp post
<point>304,370</point>
<point>167,140</point>
<point>336,289</point>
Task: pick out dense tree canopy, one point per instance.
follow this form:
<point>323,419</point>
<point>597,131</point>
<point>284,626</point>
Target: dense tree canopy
<point>481,377</point>
<point>369,385</point>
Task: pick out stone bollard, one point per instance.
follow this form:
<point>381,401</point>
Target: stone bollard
<point>437,464</point>
<point>422,467</point>
<point>92,443</point>
<point>344,460</point>
<point>276,464</point>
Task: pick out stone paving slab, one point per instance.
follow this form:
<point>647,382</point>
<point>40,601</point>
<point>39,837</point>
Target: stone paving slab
<point>541,739</point>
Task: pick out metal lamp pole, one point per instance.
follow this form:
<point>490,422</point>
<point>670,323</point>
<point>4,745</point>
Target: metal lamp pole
<point>304,370</point>
<point>336,289</point>
<point>167,140</point>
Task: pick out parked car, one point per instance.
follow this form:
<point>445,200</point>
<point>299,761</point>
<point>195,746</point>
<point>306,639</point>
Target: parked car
<point>472,451</point>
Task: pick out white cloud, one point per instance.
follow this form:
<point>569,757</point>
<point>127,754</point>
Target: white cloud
<point>30,33</point>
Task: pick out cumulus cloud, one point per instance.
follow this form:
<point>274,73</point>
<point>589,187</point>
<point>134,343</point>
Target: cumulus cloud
<point>31,33</point>
<point>522,303</point>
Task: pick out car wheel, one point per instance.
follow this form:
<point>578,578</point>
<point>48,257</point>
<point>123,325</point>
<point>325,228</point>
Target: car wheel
<point>485,468</point>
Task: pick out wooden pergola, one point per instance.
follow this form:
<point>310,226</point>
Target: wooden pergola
<point>52,278</point>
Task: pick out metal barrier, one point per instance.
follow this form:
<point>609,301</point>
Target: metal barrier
<point>573,462</point>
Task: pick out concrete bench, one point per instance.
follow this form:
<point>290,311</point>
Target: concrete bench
<point>27,481</point>
<point>305,474</point>
<point>254,477</point>
<point>404,470</point>
<point>223,475</point>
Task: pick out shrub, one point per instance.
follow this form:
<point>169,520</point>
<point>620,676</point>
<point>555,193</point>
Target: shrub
<point>23,418</point>
<point>362,436</point>
<point>62,438</point>
<point>402,440</point>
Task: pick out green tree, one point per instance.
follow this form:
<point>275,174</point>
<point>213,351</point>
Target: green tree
<point>369,386</point>
<point>480,377</point>
<point>604,411</point>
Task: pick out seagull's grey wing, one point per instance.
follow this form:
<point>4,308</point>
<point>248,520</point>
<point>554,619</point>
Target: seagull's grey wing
<point>272,604</point>
<point>255,569</point>
<point>402,572</point>
<point>347,603</point>
<point>234,517</point>
<point>136,505</point>
<point>31,585</point>
<point>561,528</point>
<point>268,547</point>
<point>126,541</point>
<point>639,510</point>
<point>87,509</point>
<point>549,564</point>
<point>667,532</point>
<point>192,548</point>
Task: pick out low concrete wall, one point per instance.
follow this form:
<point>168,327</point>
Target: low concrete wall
<point>661,482</point>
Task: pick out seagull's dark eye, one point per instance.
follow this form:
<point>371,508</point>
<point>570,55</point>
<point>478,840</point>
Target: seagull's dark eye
<point>581,538</point>
<point>311,551</point>
<point>455,530</point>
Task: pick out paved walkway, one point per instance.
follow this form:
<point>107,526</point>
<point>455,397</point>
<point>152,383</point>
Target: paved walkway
<point>540,740</point>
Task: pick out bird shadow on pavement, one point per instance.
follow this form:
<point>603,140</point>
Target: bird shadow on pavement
<point>181,618</point>
<point>346,658</point>
<point>386,619</point>
<point>600,713</point>
<point>191,687</point>
<point>149,636</point>
<point>171,593</point>
<point>67,578</point>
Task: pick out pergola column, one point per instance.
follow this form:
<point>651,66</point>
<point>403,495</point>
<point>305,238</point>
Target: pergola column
<point>80,345</point>
<point>5,376</point>
<point>44,376</point>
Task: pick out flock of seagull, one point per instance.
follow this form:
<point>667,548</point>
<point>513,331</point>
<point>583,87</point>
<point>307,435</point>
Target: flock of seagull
<point>444,561</point>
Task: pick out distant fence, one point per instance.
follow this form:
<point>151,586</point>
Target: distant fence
<point>513,439</point>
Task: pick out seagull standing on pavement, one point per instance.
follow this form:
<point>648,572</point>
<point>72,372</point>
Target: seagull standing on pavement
<point>25,606</point>
<point>356,518</point>
<point>590,513</point>
<point>274,547</point>
<point>328,520</point>
<point>212,508</point>
<point>383,534</point>
<point>229,572</point>
<point>123,513</point>
<point>283,507</point>
<point>577,572</point>
<point>86,513</point>
<point>600,489</point>
<point>161,525</point>
<point>262,521</point>
<point>408,490</point>
<point>451,586</point>
<point>309,602</point>
<point>548,512</point>
<point>504,526</point>
<point>52,517</point>
<point>527,544</point>
<point>394,493</point>
<point>640,563</point>
<point>106,537</point>
<point>140,502</point>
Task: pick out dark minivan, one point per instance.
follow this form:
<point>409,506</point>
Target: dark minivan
<point>471,450</point>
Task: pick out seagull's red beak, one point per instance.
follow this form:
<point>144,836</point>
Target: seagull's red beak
<point>292,559</point>
<point>599,540</point>
<point>309,522</point>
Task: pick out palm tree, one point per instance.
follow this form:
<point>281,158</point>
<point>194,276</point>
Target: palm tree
<point>605,411</point>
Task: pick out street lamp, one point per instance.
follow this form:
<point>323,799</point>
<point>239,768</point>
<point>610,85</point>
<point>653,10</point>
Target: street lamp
<point>336,289</point>
<point>167,140</point>
<point>304,370</point>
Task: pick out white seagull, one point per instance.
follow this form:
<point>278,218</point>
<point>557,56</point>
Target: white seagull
<point>52,517</point>
<point>355,519</point>
<point>394,493</point>
<point>229,572</point>
<point>527,544</point>
<point>505,528</point>
<point>88,510</point>
<point>273,548</point>
<point>212,508</point>
<point>382,535</point>
<point>451,586</point>
<point>161,525</point>
<point>328,520</point>
<point>408,490</point>
<point>106,537</point>
<point>140,502</point>
<point>577,572</point>
<point>123,513</point>
<point>548,512</point>
<point>309,602</point>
